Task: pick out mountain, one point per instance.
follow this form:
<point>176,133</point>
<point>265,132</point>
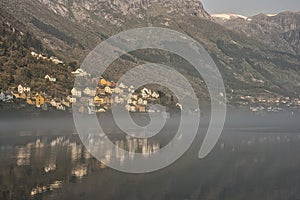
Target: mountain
<point>249,64</point>
<point>281,31</point>
<point>19,66</point>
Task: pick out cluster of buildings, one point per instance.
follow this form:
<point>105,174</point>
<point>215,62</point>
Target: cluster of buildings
<point>101,98</point>
<point>270,104</point>
<point>36,99</point>
<point>42,57</point>
<point>87,100</point>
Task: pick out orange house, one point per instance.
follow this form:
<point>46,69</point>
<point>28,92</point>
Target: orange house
<point>39,100</point>
<point>102,82</point>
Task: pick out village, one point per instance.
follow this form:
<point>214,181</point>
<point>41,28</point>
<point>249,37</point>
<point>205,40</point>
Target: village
<point>103,93</point>
<point>106,93</point>
<point>88,100</point>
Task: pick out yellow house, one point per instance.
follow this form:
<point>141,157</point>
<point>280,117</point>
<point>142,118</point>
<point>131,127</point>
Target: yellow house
<point>39,100</point>
<point>98,100</point>
<point>103,82</point>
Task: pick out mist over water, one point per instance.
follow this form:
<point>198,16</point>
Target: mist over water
<point>255,158</point>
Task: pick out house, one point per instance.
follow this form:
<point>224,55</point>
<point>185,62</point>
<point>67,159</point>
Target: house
<point>155,95</point>
<point>75,92</point>
<point>101,110</point>
<point>127,107</point>
<point>80,73</point>
<point>60,107</point>
<point>2,96</point>
<point>142,109</point>
<point>121,85</point>
<point>34,54</point>
<point>20,89</point>
<point>56,60</point>
<point>26,89</point>
<point>140,101</point>
<point>66,103</point>
<point>108,90</point>
<point>100,91</point>
<point>71,99</point>
<point>145,93</point>
<point>102,82</point>
<point>145,102</point>
<point>129,101</point>
<point>117,100</point>
<point>50,78</point>
<point>132,109</point>
<point>89,92</point>
<point>39,100</point>
<point>98,100</point>
<point>54,102</point>
<point>91,103</point>
<point>8,97</point>
<point>118,90</point>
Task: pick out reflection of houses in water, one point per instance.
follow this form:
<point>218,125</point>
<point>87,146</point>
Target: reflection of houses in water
<point>51,163</point>
<point>132,146</point>
<point>76,152</point>
<point>42,189</point>
<point>23,156</point>
<point>80,171</point>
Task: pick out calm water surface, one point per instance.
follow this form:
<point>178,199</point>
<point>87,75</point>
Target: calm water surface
<point>252,160</point>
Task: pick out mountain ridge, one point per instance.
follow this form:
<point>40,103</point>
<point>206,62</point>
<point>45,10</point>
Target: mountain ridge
<point>249,66</point>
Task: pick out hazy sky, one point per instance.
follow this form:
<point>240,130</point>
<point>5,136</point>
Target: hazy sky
<point>250,7</point>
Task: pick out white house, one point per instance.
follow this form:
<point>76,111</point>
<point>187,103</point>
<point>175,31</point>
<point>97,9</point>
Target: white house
<point>122,85</point>
<point>134,96</point>
<point>53,103</point>
<point>50,78</point>
<point>145,102</point>
<point>8,98</point>
<point>145,93</point>
<point>80,72</point>
<point>26,89</point>
<point>155,95</point>
<point>76,93</point>
<point>129,101</point>
<point>117,100</point>
<point>73,100</point>
<point>20,89</point>
<point>132,109</point>
<point>34,54</point>
<point>108,90</point>
<point>2,96</point>
<point>56,60</point>
<point>117,90</point>
<point>60,107</point>
<point>89,92</point>
<point>140,101</point>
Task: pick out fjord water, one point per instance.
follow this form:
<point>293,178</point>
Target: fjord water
<point>257,157</point>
